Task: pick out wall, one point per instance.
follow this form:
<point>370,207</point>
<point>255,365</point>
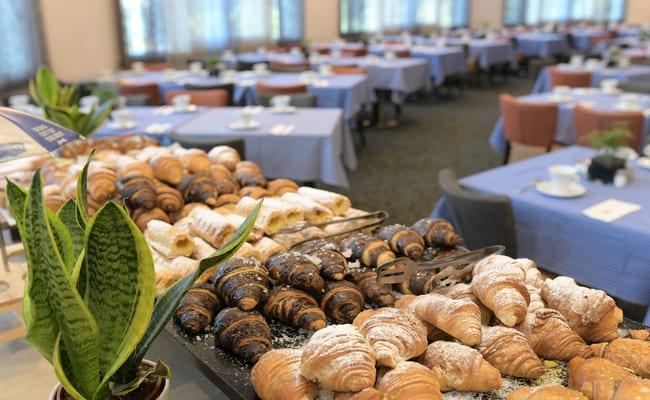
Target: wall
<point>638,11</point>
<point>80,37</point>
<point>321,20</point>
<point>489,11</point>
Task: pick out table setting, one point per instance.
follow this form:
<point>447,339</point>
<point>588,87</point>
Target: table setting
<point>542,45</point>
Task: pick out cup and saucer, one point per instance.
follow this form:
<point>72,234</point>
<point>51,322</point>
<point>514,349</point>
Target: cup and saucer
<point>643,162</point>
<point>245,121</point>
<point>121,119</point>
<point>182,104</point>
<point>564,182</point>
<point>281,105</point>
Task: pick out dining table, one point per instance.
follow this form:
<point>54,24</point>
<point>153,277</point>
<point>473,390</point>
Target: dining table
<point>542,45</point>
<point>586,97</point>
<point>306,144</point>
<point>584,40</point>
<point>555,232</point>
<point>232,60</point>
<point>631,73</point>
<point>488,52</point>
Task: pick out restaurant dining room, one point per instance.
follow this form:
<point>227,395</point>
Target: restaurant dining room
<point>325,199</point>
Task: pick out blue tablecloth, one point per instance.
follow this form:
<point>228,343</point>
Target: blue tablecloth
<point>583,40</point>
<point>565,132</point>
<point>492,52</point>
<point>638,73</point>
<point>254,58</point>
<point>318,149</point>
<point>613,256</point>
<point>543,45</point>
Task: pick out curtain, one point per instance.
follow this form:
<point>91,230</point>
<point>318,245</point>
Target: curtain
<point>532,12</point>
<point>372,16</point>
<point>169,28</point>
<point>20,43</point>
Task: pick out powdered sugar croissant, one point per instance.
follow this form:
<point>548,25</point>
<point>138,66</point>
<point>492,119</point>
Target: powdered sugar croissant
<point>409,380</point>
<point>509,351</point>
<point>276,376</point>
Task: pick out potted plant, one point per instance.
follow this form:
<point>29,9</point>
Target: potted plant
<point>604,166</point>
<point>89,302</point>
<point>60,104</point>
<point>213,65</point>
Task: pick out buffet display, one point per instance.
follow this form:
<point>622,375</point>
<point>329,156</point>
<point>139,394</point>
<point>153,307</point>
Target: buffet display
<point>496,328</point>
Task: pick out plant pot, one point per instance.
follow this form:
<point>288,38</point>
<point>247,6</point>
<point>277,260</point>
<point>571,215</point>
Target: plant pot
<point>603,168</point>
<point>214,71</point>
<point>57,391</point>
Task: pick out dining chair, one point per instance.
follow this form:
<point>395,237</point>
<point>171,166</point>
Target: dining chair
<point>207,98</point>
<point>348,70</point>
<point>302,100</point>
<point>301,66</point>
<point>149,90</point>
<point>228,87</point>
<point>588,120</point>
<point>404,53</point>
<point>481,219</point>
<point>354,52</point>
<point>574,79</point>
<point>270,89</point>
<point>324,51</point>
<point>157,66</point>
<point>529,128</point>
<point>247,66</point>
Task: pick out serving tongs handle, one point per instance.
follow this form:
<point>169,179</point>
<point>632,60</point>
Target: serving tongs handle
<point>461,259</point>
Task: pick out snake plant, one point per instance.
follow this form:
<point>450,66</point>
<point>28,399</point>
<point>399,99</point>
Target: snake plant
<point>89,302</point>
<point>60,104</point>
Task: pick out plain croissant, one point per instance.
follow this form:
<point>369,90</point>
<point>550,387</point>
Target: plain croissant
<point>629,353</point>
<point>276,376</point>
<point>504,293</point>
<point>545,393</point>
<point>509,351</point>
<point>409,381</point>
<point>601,379</point>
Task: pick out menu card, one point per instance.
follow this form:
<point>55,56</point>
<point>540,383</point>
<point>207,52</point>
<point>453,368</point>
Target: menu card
<point>610,210</point>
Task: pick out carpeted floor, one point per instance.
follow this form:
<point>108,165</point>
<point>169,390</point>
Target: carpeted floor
<point>398,168</point>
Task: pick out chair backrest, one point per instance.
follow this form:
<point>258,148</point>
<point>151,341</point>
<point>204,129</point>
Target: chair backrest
<point>268,89</point>
<point>562,77</point>
<point>482,220</point>
<point>278,66</point>
<point>303,100</point>
<point>635,86</point>
<point>247,66</point>
<point>150,90</point>
<point>228,87</point>
<point>588,120</point>
<point>323,51</point>
<point>532,124</point>
<point>404,53</point>
<point>348,70</point>
<point>208,98</point>
<point>354,52</point>
<point>160,66</point>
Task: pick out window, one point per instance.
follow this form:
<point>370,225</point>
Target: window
<point>370,16</point>
<point>163,28</point>
<point>20,42</point>
<point>532,12</point>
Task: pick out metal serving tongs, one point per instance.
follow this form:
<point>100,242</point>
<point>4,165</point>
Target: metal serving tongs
<point>374,218</point>
<point>400,269</point>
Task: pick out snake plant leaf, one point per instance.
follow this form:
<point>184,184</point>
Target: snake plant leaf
<point>82,191</point>
<point>56,305</point>
<point>47,86</point>
<point>121,290</point>
<point>62,239</point>
<point>168,302</point>
<point>99,116</point>
<point>34,93</point>
<point>83,122</point>
<point>68,215</point>
<point>59,117</point>
<point>160,369</point>
<point>61,365</point>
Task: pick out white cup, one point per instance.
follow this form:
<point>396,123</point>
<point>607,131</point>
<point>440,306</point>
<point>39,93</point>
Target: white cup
<point>18,100</point>
<point>228,54</point>
<point>260,68</point>
<point>196,67</point>
<point>181,102</point>
<point>390,55</point>
<point>295,51</point>
<point>325,69</point>
<point>623,62</point>
<point>280,102</point>
<point>87,103</point>
<point>229,76</point>
<point>308,77</point>
<point>261,50</point>
<point>441,42</point>
<point>592,64</point>
<point>562,176</point>
<point>121,117</point>
<point>246,116</point>
<point>137,67</point>
<point>609,85</point>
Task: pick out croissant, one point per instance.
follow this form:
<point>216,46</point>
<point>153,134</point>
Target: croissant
<point>54,201</point>
<point>194,160</point>
<point>167,240</point>
<point>248,251</point>
<point>278,187</point>
<point>504,293</point>
<point>189,207</point>
<point>339,358</point>
<point>269,218</point>
<point>283,365</point>
<point>591,313</point>
<point>227,199</point>
<point>197,308</point>
<point>199,188</point>
<point>337,203</point>
<point>135,168</point>
<point>459,318</point>
<point>394,335</point>
<point>168,199</point>
<point>437,232</point>
<point>168,169</point>
<point>101,182</point>
<point>409,380</point>
<point>629,353</point>
<point>293,213</point>
<point>168,271</point>
<point>242,282</point>
<point>295,307</point>
<point>288,239</point>
<point>536,300</point>
<point>551,336</point>
<point>224,155</point>
<point>373,291</point>
<point>141,217</point>
<point>333,265</point>
<point>245,333</point>
<point>640,334</point>
<point>464,291</point>
<point>500,263</point>
<point>368,249</point>
<point>403,240</point>
<point>139,190</point>
<point>601,379</point>
<point>545,393</point>
<point>460,367</point>
<point>255,192</point>
<point>509,351</point>
<point>226,185</point>
<point>296,270</point>
<point>210,226</point>
<point>342,301</point>
<point>365,394</point>
<point>246,175</point>
<point>314,212</point>
<point>267,247</point>
<point>220,172</point>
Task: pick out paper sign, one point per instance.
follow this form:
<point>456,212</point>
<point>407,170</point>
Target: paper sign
<point>610,210</point>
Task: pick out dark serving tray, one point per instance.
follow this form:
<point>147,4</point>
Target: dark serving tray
<point>232,375</point>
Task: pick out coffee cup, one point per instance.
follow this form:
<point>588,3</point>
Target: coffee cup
<point>609,85</point>
<point>325,69</point>
<point>246,116</point>
<point>280,102</point>
<point>196,67</point>
<point>390,55</point>
<point>181,102</point>
<point>308,77</point>
<point>296,51</point>
<point>260,68</point>
<point>87,103</point>
<point>592,64</point>
<point>121,117</point>
<point>623,62</point>
<point>137,67</point>
<point>562,176</point>
<point>261,50</point>
<point>229,76</point>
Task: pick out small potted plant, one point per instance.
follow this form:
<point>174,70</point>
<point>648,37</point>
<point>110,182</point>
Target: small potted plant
<point>213,65</point>
<point>89,302</point>
<point>604,166</point>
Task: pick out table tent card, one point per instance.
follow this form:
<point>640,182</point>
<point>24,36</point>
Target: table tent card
<point>610,210</point>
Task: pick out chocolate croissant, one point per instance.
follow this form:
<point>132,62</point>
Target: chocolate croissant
<point>437,232</point>
<point>197,308</point>
<point>296,270</point>
<point>244,333</point>
<point>101,182</point>
<point>295,307</point>
<point>342,301</point>
<point>242,282</point>
<point>169,199</point>
<point>403,240</point>
<point>140,191</point>
<point>333,265</point>
<point>373,291</point>
<point>368,249</point>
<point>168,169</point>
<point>199,188</point>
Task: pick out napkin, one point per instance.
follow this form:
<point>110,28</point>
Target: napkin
<point>610,210</point>
<point>282,129</point>
<point>164,110</point>
<point>157,128</point>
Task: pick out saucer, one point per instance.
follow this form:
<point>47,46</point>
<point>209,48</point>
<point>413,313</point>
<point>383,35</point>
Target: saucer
<point>188,109</point>
<point>643,162</point>
<point>240,126</point>
<point>573,190</point>
<point>283,110</point>
<point>126,125</point>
